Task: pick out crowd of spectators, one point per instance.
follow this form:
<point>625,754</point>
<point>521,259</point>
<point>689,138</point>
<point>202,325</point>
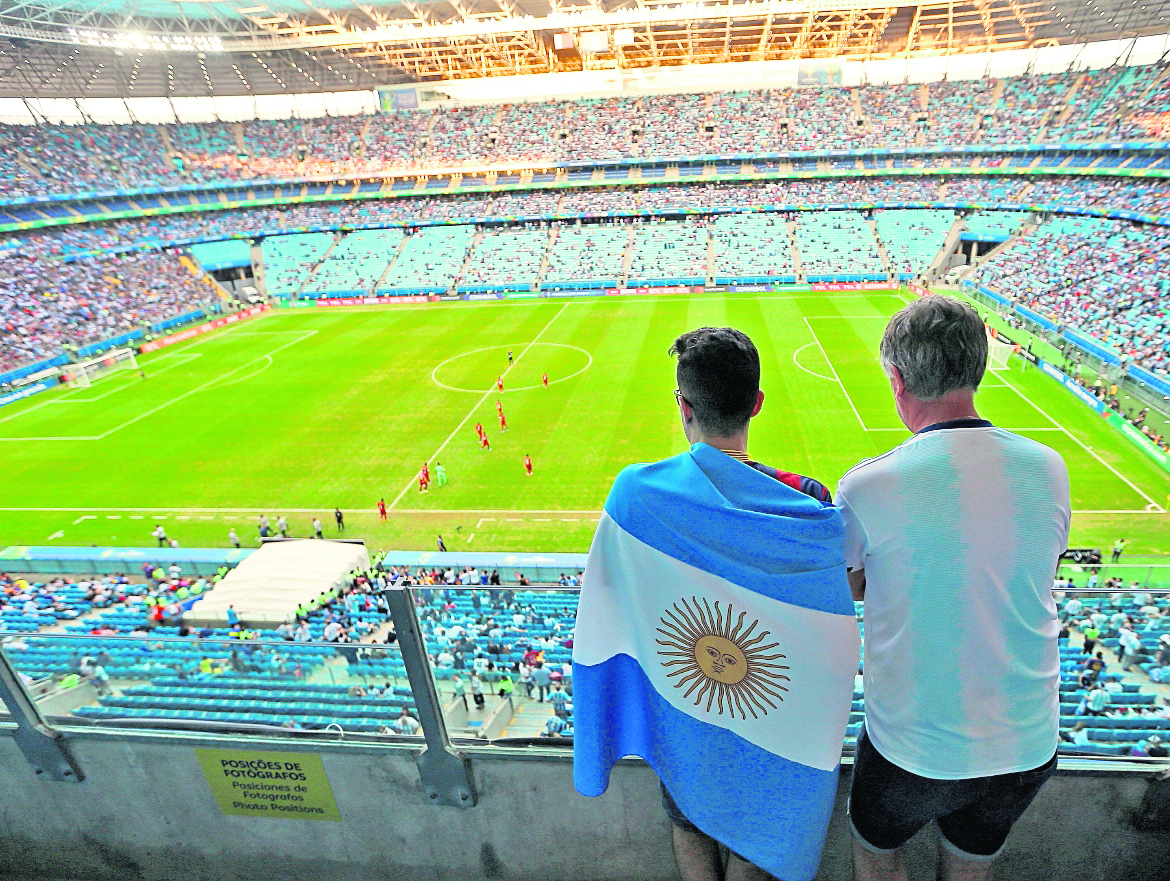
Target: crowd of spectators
<point>1119,102</point>
<point>47,303</point>
<point>1107,278</point>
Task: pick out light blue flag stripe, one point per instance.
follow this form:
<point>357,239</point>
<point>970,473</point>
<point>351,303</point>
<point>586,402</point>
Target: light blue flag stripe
<point>717,514</point>
<point>769,810</point>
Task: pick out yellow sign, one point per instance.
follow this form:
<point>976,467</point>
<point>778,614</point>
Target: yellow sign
<point>269,784</point>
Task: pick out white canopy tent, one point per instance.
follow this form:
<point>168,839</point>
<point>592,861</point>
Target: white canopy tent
<point>266,588</point>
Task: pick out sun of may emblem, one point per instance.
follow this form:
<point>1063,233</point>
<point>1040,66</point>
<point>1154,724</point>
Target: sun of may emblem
<point>723,663</point>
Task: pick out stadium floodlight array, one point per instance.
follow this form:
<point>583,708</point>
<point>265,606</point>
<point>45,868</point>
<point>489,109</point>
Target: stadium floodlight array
<point>84,373</point>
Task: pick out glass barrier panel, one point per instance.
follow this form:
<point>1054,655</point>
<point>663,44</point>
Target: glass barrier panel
<point>501,657</point>
<point>501,662</point>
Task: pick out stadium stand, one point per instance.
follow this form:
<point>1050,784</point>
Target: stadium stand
<point>586,256</point>
<point>288,260</point>
<point>668,253</point>
<point>1102,105</point>
<point>1024,108</point>
<point>838,246</point>
<point>49,303</point>
<point>506,258</point>
<point>429,261</point>
<point>993,226</point>
<point>1108,278</point>
<point>752,248</point>
<point>356,264</point>
<point>913,238</point>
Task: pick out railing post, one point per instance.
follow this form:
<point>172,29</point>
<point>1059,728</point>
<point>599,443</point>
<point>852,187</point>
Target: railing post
<point>44,747</point>
<point>445,774</point>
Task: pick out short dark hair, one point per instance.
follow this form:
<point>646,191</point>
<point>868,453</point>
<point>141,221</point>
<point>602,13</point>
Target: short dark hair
<point>938,344</point>
<point>718,373</point>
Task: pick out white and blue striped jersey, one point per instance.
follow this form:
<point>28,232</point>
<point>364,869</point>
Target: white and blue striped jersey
<point>959,530</point>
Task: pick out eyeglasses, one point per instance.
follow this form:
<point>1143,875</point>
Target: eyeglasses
<point>678,396</point>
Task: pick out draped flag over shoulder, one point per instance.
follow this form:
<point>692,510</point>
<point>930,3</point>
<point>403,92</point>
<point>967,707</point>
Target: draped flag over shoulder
<point>716,639</point>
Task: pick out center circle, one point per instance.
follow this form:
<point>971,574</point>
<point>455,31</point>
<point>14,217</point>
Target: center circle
<point>476,371</point>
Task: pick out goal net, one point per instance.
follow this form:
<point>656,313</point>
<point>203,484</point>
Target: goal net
<point>998,352</point>
<point>83,374</point>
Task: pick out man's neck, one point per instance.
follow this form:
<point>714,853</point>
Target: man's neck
<point>735,443</point>
<point>917,414</point>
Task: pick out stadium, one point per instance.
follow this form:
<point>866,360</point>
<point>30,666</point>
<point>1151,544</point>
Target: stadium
<point>326,329</point>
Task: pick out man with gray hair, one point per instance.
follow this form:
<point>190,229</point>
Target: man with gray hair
<point>952,540</point>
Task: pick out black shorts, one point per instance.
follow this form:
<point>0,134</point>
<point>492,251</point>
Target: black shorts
<point>888,805</point>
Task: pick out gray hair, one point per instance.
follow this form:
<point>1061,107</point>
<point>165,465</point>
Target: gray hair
<point>938,344</point>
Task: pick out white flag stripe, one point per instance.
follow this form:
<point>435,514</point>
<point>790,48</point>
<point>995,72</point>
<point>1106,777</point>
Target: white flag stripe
<point>632,587</point>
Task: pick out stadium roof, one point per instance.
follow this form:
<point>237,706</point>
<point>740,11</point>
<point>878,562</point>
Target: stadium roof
<point>173,48</point>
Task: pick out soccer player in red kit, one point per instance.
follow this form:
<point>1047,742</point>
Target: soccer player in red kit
<point>422,482</point>
<point>479,430</point>
<point>503,422</point>
<point>483,443</point>
<point>500,407</point>
<point>381,509</point>
<point>500,383</point>
<point>426,470</point>
<point>544,379</point>
<point>528,464</point>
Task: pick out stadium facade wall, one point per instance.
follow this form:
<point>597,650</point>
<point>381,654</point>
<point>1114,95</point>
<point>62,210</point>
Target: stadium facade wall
<point>146,811</point>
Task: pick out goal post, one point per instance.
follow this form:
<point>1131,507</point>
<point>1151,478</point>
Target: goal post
<point>83,374</point>
<point>998,352</point>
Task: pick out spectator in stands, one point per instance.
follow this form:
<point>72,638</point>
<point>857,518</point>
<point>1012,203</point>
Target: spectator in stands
<point>541,679</point>
<point>961,696</point>
<point>711,505</point>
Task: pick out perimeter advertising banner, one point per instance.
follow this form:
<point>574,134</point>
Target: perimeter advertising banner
<point>853,286</point>
<point>193,332</point>
<point>376,301</point>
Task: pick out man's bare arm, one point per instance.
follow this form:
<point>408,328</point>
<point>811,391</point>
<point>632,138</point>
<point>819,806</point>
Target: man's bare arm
<point>857,584</point>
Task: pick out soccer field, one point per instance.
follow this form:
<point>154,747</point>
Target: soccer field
<point>300,411</point>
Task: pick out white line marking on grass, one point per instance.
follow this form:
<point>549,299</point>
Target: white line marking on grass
<point>179,360</point>
<point>1089,450</point>
<point>569,520</point>
<point>135,516</point>
<point>837,377</point>
<point>796,361</point>
<point>463,512</point>
<point>541,520</point>
<point>167,403</point>
<point>205,385</point>
<point>483,520</point>
<point>470,537</point>
<point>113,516</point>
<point>522,388</point>
<point>479,403</point>
<point>24,411</point>
<point>58,534</point>
<point>206,517</point>
<point>84,517</point>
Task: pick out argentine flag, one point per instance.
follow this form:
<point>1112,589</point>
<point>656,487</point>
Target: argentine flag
<point>716,639</point>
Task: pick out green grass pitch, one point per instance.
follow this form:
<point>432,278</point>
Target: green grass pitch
<point>303,410</point>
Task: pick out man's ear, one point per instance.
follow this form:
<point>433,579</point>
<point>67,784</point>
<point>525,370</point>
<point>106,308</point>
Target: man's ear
<point>759,403</point>
<point>896,382</point>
